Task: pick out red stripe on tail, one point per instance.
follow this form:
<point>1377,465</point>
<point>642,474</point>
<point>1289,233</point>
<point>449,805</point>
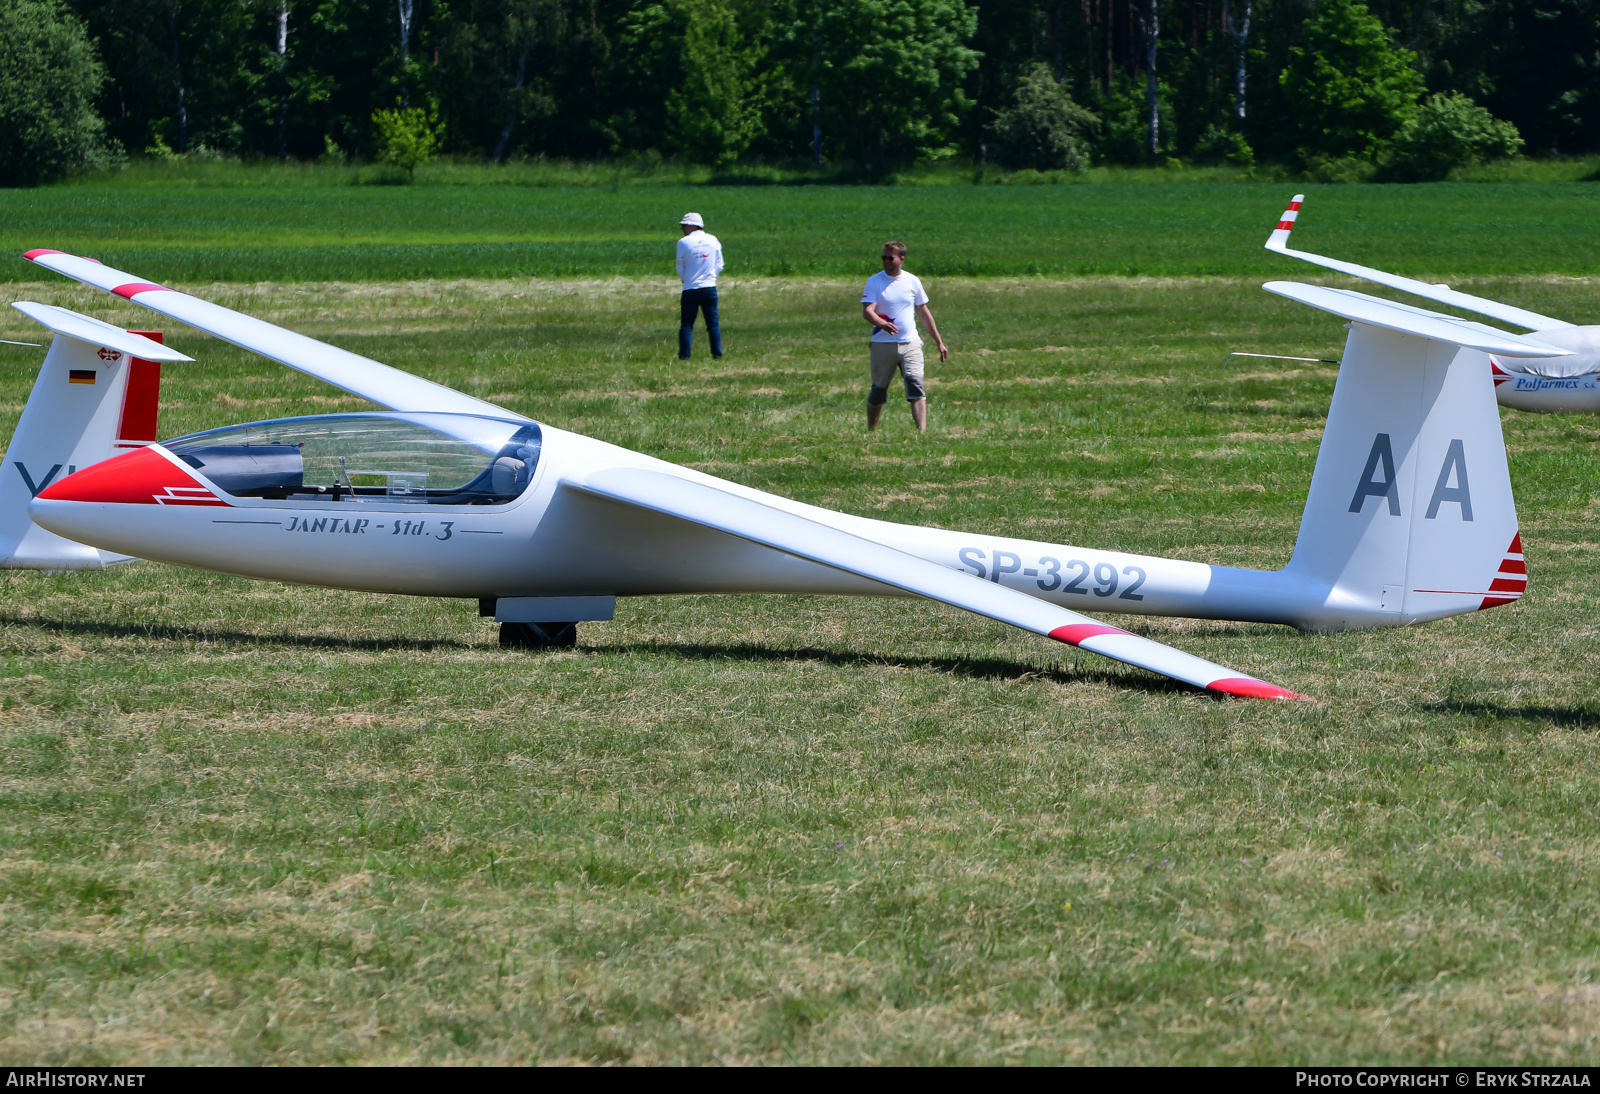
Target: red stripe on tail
<point>141,401</point>
<point>1513,584</point>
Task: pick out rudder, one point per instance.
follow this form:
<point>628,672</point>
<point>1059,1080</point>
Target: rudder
<point>93,397</point>
<point>1410,509</point>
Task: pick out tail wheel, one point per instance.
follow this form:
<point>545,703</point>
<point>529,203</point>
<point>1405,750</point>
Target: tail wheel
<point>538,636</point>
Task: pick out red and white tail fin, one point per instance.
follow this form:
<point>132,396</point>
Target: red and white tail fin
<point>1512,579</point>
<point>96,394</point>
<point>1410,508</point>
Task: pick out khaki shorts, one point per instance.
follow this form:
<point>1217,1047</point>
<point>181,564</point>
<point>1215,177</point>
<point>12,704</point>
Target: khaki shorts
<point>888,356</point>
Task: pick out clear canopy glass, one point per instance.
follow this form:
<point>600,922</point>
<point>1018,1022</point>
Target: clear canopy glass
<point>439,459</point>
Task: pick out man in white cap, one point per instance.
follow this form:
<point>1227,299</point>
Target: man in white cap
<point>699,263</point>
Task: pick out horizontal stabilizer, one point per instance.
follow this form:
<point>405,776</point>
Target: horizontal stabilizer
<point>1432,325</point>
<point>1443,294</point>
<point>388,387</point>
<point>84,329</point>
<point>804,538</point>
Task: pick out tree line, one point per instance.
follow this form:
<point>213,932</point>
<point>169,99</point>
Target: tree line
<point>872,84</point>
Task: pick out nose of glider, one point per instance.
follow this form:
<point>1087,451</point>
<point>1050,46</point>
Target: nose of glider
<point>145,476</point>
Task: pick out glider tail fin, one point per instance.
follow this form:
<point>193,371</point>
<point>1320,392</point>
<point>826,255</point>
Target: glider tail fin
<point>1410,515</point>
<point>93,398</point>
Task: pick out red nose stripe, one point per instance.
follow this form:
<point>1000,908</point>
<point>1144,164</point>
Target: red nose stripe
<point>1079,632</point>
<point>134,288</point>
<point>142,477</point>
<point>1246,688</point>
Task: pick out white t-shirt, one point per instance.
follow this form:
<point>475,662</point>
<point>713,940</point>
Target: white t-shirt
<point>699,260</point>
<point>896,299</point>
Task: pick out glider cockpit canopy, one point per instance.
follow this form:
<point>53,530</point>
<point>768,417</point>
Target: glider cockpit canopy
<point>437,459</point>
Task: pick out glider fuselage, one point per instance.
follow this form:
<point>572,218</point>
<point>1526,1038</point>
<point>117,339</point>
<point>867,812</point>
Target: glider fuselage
<point>554,541</point>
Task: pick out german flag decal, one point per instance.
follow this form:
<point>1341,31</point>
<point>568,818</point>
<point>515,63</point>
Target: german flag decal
<point>80,376</point>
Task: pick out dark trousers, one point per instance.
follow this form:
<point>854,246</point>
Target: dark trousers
<point>693,302</point>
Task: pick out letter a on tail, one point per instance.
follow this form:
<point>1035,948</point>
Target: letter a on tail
<point>1382,452</point>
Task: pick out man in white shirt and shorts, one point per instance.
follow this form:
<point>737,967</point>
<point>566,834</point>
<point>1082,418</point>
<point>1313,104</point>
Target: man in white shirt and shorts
<point>892,302</point>
<point>699,263</point>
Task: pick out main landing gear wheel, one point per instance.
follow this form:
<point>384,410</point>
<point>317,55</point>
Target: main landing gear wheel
<point>538,636</point>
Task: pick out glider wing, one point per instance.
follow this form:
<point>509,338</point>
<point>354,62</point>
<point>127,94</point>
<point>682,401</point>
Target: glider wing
<point>389,387</point>
<point>796,535</point>
<point>1444,294</point>
<point>1377,312</point>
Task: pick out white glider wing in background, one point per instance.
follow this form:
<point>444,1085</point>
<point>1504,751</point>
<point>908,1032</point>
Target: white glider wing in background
<point>389,387</point>
<point>1443,294</point>
<point>816,542</point>
<point>1377,312</point>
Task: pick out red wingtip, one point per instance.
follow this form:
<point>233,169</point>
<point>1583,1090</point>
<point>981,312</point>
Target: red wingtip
<point>1246,688</point>
<point>1076,633</point>
<point>40,252</point>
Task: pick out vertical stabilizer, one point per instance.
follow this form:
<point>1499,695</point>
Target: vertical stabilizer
<point>1410,515</point>
<point>82,410</point>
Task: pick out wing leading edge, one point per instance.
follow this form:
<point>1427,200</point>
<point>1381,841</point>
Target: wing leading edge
<point>1443,294</point>
<point>389,387</point>
<point>807,539</point>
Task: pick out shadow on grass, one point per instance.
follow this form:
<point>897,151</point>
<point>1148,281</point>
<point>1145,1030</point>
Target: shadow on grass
<point>201,634</point>
<point>1576,716</point>
<point>985,668</point>
<point>982,668</point>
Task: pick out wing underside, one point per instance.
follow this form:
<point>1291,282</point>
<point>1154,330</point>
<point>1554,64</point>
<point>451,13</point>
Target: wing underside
<point>796,535</point>
<point>1375,311</point>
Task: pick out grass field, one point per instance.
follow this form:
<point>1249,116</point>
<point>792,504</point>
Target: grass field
<point>314,233</point>
<point>247,823</point>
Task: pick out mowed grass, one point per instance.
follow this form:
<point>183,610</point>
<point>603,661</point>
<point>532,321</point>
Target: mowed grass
<point>205,233</point>
<point>247,823</point>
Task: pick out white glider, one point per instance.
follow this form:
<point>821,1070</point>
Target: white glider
<point>1410,515</point>
<point>1546,385</point>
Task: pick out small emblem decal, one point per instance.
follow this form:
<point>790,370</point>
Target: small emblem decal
<point>185,495</point>
<point>81,375</point>
<point>109,354</point>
